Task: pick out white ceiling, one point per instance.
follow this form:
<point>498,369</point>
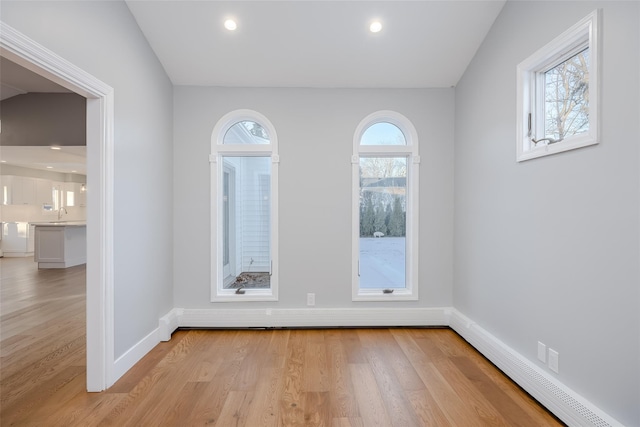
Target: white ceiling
<point>69,159</point>
<point>17,80</point>
<point>423,44</point>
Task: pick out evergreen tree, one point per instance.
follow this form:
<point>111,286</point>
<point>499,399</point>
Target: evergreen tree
<point>387,216</point>
<point>378,223</point>
<point>367,217</point>
<point>397,221</point>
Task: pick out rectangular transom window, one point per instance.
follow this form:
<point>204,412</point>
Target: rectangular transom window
<point>558,93</point>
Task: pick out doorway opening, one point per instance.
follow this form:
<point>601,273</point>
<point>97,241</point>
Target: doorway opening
<point>29,54</point>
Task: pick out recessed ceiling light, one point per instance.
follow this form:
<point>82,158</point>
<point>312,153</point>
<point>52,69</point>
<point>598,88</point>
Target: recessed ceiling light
<point>49,167</point>
<point>375,27</point>
<point>55,147</point>
<point>230,24</point>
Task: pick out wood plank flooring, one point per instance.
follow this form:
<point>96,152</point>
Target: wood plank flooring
<point>253,378</point>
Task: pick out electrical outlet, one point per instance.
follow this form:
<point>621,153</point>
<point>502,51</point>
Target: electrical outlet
<point>553,360</point>
<point>311,300</point>
<point>542,352</point>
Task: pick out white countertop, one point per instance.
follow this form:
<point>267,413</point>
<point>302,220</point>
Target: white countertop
<point>60,224</point>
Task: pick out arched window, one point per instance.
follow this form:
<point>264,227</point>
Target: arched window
<point>244,217</point>
<point>385,208</point>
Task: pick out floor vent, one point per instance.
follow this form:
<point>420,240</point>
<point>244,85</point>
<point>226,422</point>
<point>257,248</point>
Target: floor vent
<point>563,396</point>
<point>562,401</point>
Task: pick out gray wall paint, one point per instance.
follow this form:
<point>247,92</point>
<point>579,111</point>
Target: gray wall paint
<point>44,119</point>
<point>548,249</point>
<point>315,133</point>
<point>103,39</point>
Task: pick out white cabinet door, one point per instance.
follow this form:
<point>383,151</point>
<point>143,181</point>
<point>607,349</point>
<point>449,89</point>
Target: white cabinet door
<point>15,238</point>
<point>44,193</point>
<point>24,190</point>
<point>49,244</point>
<point>18,190</point>
<point>6,189</point>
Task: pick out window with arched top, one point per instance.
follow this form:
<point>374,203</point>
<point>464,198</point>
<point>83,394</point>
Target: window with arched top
<point>246,132</point>
<point>244,215</point>
<point>385,177</point>
<point>383,133</point>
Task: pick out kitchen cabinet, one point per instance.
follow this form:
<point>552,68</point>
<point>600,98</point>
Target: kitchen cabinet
<point>60,245</point>
<point>24,190</point>
<point>44,193</point>
<point>18,190</point>
<point>5,189</point>
<point>17,239</point>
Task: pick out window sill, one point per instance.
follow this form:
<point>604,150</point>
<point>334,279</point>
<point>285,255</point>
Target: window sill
<point>250,295</point>
<point>397,295</point>
<point>572,143</point>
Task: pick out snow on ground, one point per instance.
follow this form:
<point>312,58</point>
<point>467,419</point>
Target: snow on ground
<point>382,262</point>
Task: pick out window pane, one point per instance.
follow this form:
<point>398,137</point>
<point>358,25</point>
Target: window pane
<point>246,222</point>
<point>567,97</point>
<point>383,207</point>
<point>246,132</point>
<point>383,133</point>
<point>70,198</point>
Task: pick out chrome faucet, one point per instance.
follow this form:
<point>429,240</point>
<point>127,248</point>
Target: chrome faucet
<point>62,208</point>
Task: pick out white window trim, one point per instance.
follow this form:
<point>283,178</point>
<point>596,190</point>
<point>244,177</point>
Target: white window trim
<point>586,33</point>
<point>219,150</point>
<point>410,293</point>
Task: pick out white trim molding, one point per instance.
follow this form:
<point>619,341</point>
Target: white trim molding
<point>135,353</point>
<point>312,317</point>
<point>100,142</point>
<point>169,323</point>
<point>562,401</point>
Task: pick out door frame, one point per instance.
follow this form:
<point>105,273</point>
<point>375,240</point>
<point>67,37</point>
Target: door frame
<point>24,51</point>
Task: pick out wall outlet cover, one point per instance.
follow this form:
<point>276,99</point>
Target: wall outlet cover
<point>554,360</point>
<point>542,352</point>
<point>311,299</point>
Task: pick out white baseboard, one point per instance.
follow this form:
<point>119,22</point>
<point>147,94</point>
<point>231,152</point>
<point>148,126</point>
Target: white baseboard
<point>169,323</point>
<point>563,402</point>
<point>312,317</point>
<point>133,355</point>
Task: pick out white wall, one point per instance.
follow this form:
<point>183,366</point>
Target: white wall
<point>103,39</point>
<point>315,134</point>
<point>547,250</point>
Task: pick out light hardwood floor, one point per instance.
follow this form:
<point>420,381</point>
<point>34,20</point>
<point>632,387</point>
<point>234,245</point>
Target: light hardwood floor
<point>332,377</point>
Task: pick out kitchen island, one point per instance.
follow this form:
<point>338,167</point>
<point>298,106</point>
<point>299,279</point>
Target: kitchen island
<point>60,244</point>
